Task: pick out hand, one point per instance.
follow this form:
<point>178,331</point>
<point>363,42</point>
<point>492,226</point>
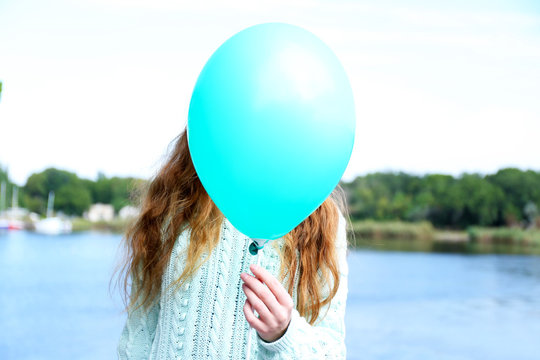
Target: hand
<point>273,304</point>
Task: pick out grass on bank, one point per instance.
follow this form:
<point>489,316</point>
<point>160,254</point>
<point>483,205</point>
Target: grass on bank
<point>377,230</point>
<point>424,231</point>
<point>370,230</point>
<point>115,226</point>
<point>504,236</point>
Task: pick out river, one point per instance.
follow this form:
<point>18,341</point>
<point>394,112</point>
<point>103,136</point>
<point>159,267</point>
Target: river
<point>55,302</point>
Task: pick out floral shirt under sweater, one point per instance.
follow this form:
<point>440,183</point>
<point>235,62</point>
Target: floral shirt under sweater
<point>205,318</point>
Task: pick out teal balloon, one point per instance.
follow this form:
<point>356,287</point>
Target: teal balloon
<point>271,127</point>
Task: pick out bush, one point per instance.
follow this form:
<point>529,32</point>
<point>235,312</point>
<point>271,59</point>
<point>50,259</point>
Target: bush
<point>394,230</point>
<point>504,236</point>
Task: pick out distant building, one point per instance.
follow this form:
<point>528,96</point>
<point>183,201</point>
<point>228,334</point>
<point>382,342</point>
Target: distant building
<point>128,212</point>
<point>100,212</point>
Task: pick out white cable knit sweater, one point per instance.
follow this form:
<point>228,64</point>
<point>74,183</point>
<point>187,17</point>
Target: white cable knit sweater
<point>205,320</point>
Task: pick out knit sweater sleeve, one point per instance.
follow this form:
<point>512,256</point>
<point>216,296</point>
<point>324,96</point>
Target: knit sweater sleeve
<point>139,331</point>
<point>326,338</point>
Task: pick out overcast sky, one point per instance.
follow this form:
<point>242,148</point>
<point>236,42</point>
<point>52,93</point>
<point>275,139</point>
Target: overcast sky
<point>440,87</point>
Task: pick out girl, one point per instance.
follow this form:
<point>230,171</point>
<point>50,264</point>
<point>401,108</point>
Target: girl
<point>191,296</point>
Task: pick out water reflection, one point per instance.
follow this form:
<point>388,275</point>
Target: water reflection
<point>521,266</point>
<point>443,247</point>
<point>407,305</point>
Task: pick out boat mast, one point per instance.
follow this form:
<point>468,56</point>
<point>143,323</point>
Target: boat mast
<point>15,198</point>
<point>50,203</point>
<point>3,196</point>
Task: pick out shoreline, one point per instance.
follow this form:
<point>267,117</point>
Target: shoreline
<point>397,235</point>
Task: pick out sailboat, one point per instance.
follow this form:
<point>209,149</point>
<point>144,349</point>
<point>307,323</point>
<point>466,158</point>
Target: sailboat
<point>53,225</point>
<point>4,223</point>
<point>9,220</point>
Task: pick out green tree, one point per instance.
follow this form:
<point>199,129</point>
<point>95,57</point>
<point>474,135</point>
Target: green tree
<point>4,175</point>
<point>72,196</point>
<point>479,201</point>
<point>519,188</point>
<point>115,191</point>
<point>10,185</point>
<point>444,200</point>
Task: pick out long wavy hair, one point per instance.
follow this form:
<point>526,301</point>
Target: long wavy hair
<point>175,199</point>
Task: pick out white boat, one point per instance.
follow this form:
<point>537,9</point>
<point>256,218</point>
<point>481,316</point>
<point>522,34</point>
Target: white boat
<point>11,224</point>
<point>10,219</point>
<point>4,224</point>
<point>53,225</point>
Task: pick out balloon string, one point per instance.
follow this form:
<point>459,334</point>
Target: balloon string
<point>250,332</point>
<point>261,246</point>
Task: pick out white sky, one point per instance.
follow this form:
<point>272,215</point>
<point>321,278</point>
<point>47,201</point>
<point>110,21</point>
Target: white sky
<point>105,85</point>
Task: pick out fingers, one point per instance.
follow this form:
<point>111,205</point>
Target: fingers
<point>256,303</point>
<point>274,317</point>
<point>279,292</point>
<point>252,320</point>
<point>262,292</point>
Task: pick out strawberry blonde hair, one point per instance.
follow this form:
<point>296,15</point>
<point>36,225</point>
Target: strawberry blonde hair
<point>175,199</point>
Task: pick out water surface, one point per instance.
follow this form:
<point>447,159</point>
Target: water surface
<point>55,302</point>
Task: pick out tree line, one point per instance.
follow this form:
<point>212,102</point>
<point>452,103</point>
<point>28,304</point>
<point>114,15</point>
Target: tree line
<point>73,195</point>
<point>510,196</point>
